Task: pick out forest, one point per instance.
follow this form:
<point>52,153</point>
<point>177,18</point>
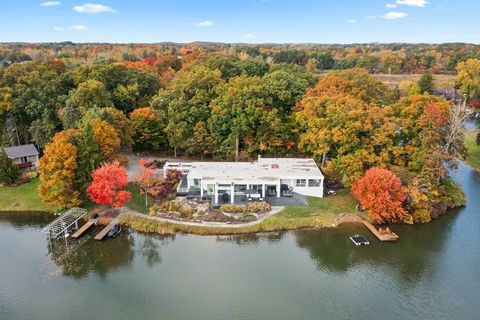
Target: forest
<point>84,104</point>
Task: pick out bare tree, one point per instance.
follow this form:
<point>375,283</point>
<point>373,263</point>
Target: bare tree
<point>454,142</point>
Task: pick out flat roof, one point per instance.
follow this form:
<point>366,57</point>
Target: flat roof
<point>23,150</point>
<point>263,170</point>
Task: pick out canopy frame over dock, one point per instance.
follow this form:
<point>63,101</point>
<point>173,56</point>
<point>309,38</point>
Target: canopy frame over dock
<point>68,220</point>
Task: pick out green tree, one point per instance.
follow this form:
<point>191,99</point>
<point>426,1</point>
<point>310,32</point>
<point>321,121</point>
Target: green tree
<point>9,172</point>
<point>426,83</point>
<point>89,156</point>
<point>89,94</point>
<point>186,102</point>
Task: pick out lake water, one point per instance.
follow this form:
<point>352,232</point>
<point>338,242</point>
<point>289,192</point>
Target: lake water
<point>432,272</point>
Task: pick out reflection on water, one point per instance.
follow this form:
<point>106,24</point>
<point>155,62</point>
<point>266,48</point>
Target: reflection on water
<point>430,273</point>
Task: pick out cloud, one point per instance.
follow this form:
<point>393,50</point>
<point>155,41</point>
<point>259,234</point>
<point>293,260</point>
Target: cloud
<point>352,20</point>
<point>50,4</point>
<point>58,29</point>
<point>413,3</point>
<point>204,24</point>
<point>391,5</point>
<point>79,27</point>
<point>392,15</point>
<point>249,36</point>
<point>94,8</point>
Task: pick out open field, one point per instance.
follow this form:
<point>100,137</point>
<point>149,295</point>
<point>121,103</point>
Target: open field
<point>22,198</point>
<point>473,155</point>
<point>321,212</point>
<point>442,81</point>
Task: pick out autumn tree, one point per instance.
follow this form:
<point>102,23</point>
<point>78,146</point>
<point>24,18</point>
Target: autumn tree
<point>106,138</point>
<point>153,185</point>
<point>201,142</point>
<point>381,193</point>
<point>147,128</point>
<point>9,172</point>
<point>347,121</point>
<point>468,77</point>
<point>57,170</point>
<point>108,185</point>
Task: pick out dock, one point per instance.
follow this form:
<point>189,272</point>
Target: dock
<point>391,236</point>
<point>106,230</point>
<point>84,228</point>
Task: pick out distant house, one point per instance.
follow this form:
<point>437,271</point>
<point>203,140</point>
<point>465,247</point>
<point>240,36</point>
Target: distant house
<point>24,156</point>
<point>449,94</point>
<point>262,179</point>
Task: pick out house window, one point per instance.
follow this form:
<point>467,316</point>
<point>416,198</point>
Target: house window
<point>196,182</point>
<point>240,187</point>
<point>301,183</point>
<point>24,159</point>
<point>314,182</point>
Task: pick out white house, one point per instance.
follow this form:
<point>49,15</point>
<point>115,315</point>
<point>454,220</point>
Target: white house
<point>24,156</point>
<point>266,177</point>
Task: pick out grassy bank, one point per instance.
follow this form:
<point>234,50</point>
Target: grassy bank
<point>138,200</point>
<point>22,198</point>
<point>442,81</point>
<point>320,213</point>
<point>473,155</point>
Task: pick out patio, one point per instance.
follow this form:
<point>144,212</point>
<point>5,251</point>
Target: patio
<point>295,200</point>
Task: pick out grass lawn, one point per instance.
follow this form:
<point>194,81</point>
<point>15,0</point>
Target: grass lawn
<point>473,155</point>
<point>442,81</point>
<point>321,212</point>
<point>138,200</point>
<point>22,198</point>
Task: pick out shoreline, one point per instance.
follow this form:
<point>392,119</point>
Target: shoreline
<point>143,223</point>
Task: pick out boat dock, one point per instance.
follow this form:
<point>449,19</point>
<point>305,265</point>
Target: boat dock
<point>106,230</point>
<point>391,236</point>
<point>84,228</point>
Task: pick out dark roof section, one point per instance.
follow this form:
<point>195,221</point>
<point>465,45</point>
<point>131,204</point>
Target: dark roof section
<point>21,151</point>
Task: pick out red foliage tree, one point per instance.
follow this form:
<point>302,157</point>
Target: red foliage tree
<point>109,182</point>
<point>156,187</point>
<point>380,192</point>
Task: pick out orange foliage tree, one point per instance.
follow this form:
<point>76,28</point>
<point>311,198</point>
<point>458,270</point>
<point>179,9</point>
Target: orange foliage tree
<point>106,137</point>
<point>380,192</point>
<point>109,182</point>
<point>57,171</point>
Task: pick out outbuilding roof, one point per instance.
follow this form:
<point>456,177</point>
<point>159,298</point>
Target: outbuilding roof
<point>23,150</point>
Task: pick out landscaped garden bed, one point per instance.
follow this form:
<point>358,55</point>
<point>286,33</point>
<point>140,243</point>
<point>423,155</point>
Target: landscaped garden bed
<point>182,209</point>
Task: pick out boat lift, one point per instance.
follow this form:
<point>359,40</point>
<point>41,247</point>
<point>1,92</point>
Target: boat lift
<point>65,223</point>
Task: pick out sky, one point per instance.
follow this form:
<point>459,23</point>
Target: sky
<point>234,21</point>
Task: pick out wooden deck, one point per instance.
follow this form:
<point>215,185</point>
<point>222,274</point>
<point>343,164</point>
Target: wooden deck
<point>105,230</point>
<point>381,236</point>
<point>84,228</point>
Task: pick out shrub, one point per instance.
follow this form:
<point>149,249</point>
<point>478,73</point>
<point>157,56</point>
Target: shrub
<point>258,207</point>
<point>170,206</point>
<point>31,175</point>
<point>153,209</point>
<point>255,207</point>
<point>233,208</point>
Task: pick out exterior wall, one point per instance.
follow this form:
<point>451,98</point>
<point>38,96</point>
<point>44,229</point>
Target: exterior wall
<point>310,191</point>
<point>33,160</point>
